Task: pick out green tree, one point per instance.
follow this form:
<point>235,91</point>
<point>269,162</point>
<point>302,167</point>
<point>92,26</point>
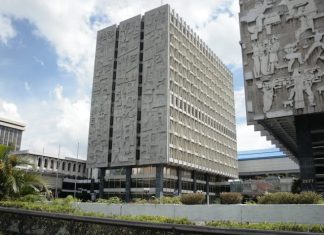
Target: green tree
<point>14,181</point>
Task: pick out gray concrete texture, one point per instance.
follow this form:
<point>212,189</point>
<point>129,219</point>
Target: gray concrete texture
<point>303,214</point>
<point>98,140</point>
<point>126,93</point>
<point>282,49</point>
<point>155,93</point>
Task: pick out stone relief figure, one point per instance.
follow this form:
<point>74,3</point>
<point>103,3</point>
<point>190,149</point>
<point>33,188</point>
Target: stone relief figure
<point>257,15</point>
<point>317,44</point>
<point>273,50</point>
<point>265,58</point>
<point>256,60</point>
<point>304,10</point>
<point>302,83</point>
<point>292,55</point>
<point>268,89</point>
<point>268,92</point>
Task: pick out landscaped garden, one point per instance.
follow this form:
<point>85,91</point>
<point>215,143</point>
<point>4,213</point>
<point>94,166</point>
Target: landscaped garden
<point>27,190</point>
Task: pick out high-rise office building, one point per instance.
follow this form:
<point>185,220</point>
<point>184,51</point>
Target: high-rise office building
<point>282,48</point>
<point>162,109</point>
<point>11,133</point>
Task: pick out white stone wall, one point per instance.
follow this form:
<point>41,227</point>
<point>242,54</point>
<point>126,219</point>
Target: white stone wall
<point>304,214</point>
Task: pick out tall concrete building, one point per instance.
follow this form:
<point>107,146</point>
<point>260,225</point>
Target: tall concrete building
<point>11,133</point>
<point>282,48</point>
<point>162,109</point>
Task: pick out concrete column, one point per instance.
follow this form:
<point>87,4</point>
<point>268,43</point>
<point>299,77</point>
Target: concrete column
<point>207,188</point>
<point>159,181</point>
<point>179,181</point>
<point>194,177</point>
<point>102,173</point>
<point>92,184</point>
<point>305,153</point>
<point>128,184</point>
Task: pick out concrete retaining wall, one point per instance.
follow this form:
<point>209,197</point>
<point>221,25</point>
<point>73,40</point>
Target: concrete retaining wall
<point>306,214</point>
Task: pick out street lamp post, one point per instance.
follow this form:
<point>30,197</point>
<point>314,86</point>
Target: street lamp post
<point>77,170</point>
<point>56,181</point>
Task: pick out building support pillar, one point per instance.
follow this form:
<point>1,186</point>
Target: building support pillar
<point>128,184</point>
<point>194,177</point>
<point>207,188</point>
<point>102,173</point>
<point>305,153</point>
<point>179,180</point>
<point>159,181</point>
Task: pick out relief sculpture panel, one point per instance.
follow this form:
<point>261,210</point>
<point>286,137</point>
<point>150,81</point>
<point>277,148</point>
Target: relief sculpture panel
<point>126,93</point>
<point>283,55</point>
<point>154,117</point>
<point>98,140</point>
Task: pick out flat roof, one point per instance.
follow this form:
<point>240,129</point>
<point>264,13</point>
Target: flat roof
<point>31,152</point>
<point>12,124</point>
<point>260,154</point>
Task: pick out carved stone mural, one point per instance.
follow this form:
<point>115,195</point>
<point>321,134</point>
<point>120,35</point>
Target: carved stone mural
<point>126,93</point>
<point>98,141</point>
<point>283,55</point>
<point>154,115</point>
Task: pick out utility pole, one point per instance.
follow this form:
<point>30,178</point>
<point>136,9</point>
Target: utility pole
<point>77,170</point>
<point>56,181</point>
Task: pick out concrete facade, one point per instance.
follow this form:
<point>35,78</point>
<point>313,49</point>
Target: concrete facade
<point>161,98</point>
<point>11,133</point>
<point>282,49</point>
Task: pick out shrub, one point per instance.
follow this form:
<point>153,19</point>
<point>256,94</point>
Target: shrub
<point>171,200</point>
<point>309,198</point>
<point>139,200</point>
<point>230,198</point>
<point>277,198</point>
<point>192,198</point>
<point>111,200</point>
<point>290,198</point>
<point>154,219</point>
<point>165,200</point>
<point>33,198</point>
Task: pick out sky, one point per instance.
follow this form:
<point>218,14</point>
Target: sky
<point>47,58</point>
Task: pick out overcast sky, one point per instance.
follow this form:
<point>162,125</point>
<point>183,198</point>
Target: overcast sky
<point>47,57</point>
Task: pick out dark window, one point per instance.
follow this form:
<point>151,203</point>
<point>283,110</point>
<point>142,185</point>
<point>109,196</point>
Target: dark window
<point>45,163</point>
<point>63,166</point>
<point>52,164</point>
<point>69,166</point>
<point>74,167</point>
<point>79,168</point>
<point>39,162</point>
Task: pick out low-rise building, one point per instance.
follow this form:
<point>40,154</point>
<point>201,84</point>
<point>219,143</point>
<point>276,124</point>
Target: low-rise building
<point>54,169</point>
<point>11,133</point>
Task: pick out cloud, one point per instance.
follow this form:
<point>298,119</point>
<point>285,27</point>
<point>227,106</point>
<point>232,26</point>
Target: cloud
<point>248,139</point>
<point>7,31</point>
<point>39,61</point>
<point>58,120</point>
<point>27,86</point>
<point>240,111</point>
<point>9,111</point>
<point>73,119</point>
